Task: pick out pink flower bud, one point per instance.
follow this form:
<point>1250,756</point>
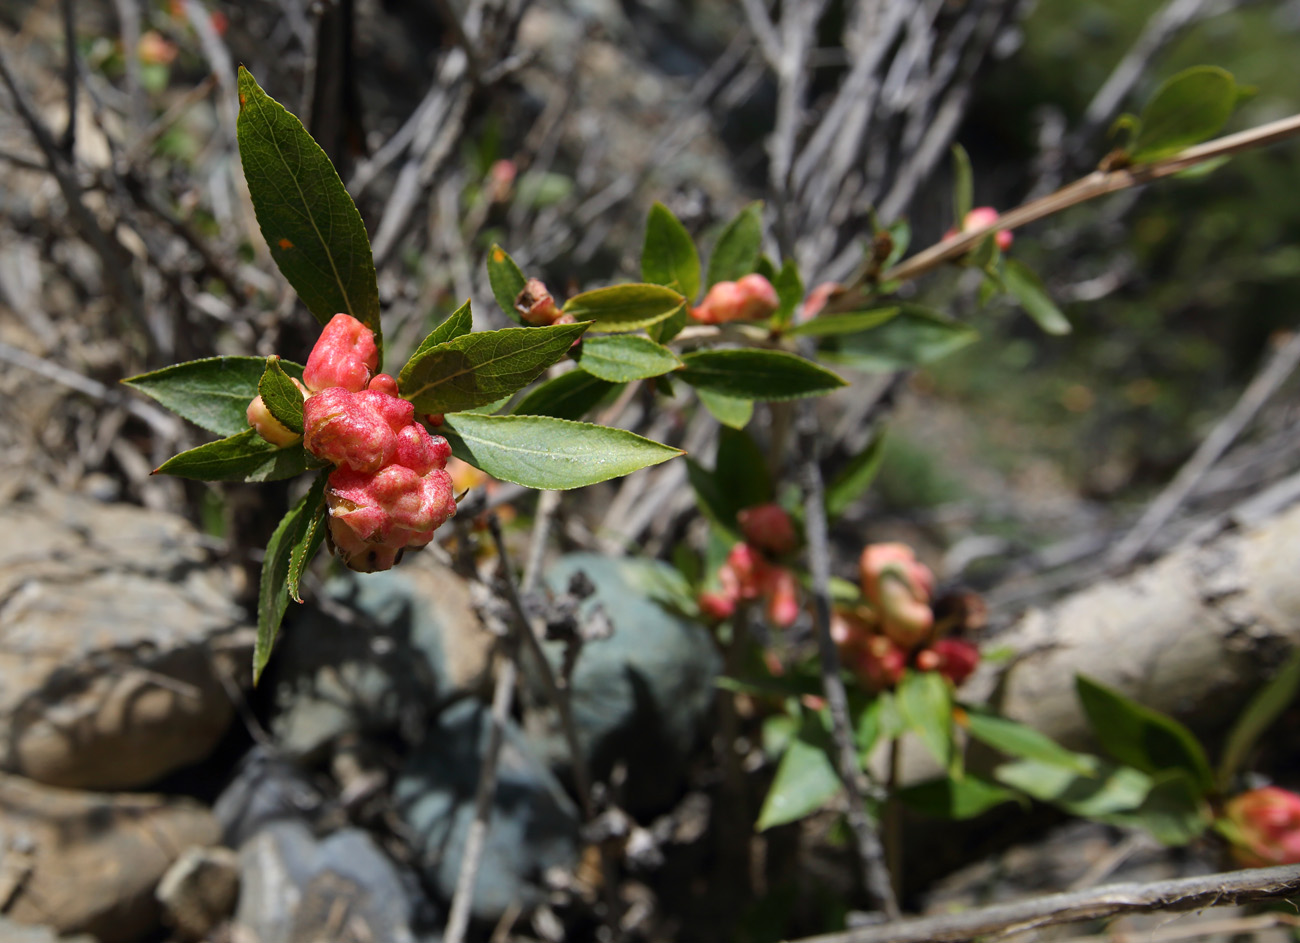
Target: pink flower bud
<point>752,298</point>
<point>374,516</point>
<point>954,658</point>
<point>535,304</point>
<point>745,573</point>
<point>768,527</point>
<point>879,663</point>
<point>899,588</point>
<point>359,430</point>
<point>817,299</point>
<point>1266,826</point>
<point>382,383</point>
<point>979,218</point>
<point>782,591</point>
<point>267,426</point>
<point>345,355</point>
<point>716,606</point>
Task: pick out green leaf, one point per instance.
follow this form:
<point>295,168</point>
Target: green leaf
<point>1022,282</point>
<point>458,323</point>
<point>554,454</point>
<point>669,327</point>
<point>569,396</point>
<point>213,393</point>
<point>856,477</point>
<point>751,373</point>
<point>955,799</point>
<point>1018,740</point>
<point>740,469</point>
<point>626,357</point>
<point>1187,108</point>
<point>1173,811</point>
<point>1141,737</point>
<point>1113,788</point>
<point>668,256</point>
<point>738,248</point>
<point>789,289</point>
<point>280,396</point>
<point>273,591</point>
<point>476,369</point>
<point>305,549</point>
<point>732,411</point>
<point>506,279</point>
<point>925,704</point>
<point>877,720</point>
<point>805,781</point>
<point>624,307</point>
<point>851,322</point>
<point>916,336</point>
<point>712,501</point>
<point>963,186</point>
<point>1257,716</point>
<point>900,237</point>
<point>309,221</point>
<point>245,456</point>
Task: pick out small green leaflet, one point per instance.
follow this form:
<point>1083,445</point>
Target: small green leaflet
<point>1109,790</point>
<point>293,533</point>
<point>751,373</point>
<point>732,411</point>
<point>668,255</point>
<point>1257,716</point>
<point>305,549</point>
<point>1023,742</point>
<point>213,393</point>
<point>856,477</point>
<point>1187,108</point>
<point>955,799</point>
<point>476,369</point>
<point>963,186</point>
<point>506,279</point>
<point>925,702</point>
<point>551,454</point>
<point>851,322</point>
<point>280,396</point>
<point>569,396</point>
<point>805,781</point>
<point>245,456</point>
<point>789,288</point>
<point>914,337</point>
<point>624,307</point>
<point>310,223</point>
<point>459,322</point>
<point>621,358</point>
<point>1022,282</point>
<point>738,248</point>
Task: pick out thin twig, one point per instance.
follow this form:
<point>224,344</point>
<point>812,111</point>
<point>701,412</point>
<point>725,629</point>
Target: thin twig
<point>68,142</point>
<point>1279,366</point>
<point>1233,927</point>
<point>1210,890</point>
<point>870,853</point>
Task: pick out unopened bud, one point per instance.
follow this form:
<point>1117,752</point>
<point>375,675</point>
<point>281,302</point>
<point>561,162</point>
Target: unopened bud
<point>898,587</point>
<point>956,659</point>
<point>768,527</point>
<point>751,298</point>
<point>716,606</point>
<point>879,663</point>
<point>1264,826</point>
<point>267,426</point>
<point>979,218</point>
<point>535,304</point>
<point>345,356</point>
<point>782,591</point>
<point>375,516</point>
<point>817,299</point>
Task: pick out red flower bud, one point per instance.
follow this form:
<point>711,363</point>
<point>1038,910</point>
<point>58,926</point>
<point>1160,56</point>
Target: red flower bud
<point>382,383</point>
<point>879,663</point>
<point>768,527</point>
<point>1265,827</point>
<point>535,304</point>
<point>267,426</point>
<point>345,355</point>
<point>817,299</point>
<point>752,298</point>
<point>717,606</point>
<point>980,217</point>
<point>374,516</point>
<point>359,430</point>
<point>745,572</point>
<point>899,588</point>
<point>782,591</point>
<point>954,658</point>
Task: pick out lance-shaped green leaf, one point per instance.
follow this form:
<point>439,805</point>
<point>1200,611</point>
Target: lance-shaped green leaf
<point>553,454</point>
<point>963,186</point>
<point>1023,742</point>
<point>458,323</point>
<point>245,456</point>
<point>669,256</point>
<point>305,549</point>
<point>293,532</point>
<point>1187,108</point>
<point>756,374</point>
<point>789,289</point>
<point>1022,282</point>
<point>1108,790</point>
<point>739,246</point>
<point>569,396</point>
<point>310,223</point>
<point>213,393</point>
<point>476,369</point>
<point>805,781</point>
<point>506,279</point>
<point>669,327</point>
<point>925,704</point>
<point>621,358</point>
<point>955,799</point>
<point>914,337</point>
<point>851,322</point>
<point>1257,716</point>
<point>732,411</point>
<point>624,307</point>
<point>280,396</point>
<point>856,477</point>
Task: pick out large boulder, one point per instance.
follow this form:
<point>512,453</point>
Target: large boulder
<point>89,862</point>
<point>117,629</point>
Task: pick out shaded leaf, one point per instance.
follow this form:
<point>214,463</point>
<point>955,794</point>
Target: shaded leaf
<point>804,782</point>
<point>310,223</point>
<point>1173,811</point>
<point>740,469</point>
<point>506,279</point>
<point>245,456</point>
<point>457,324</point>
<point>665,330</point>
<point>856,477</point>
<point>963,186</point>
<point>789,289</point>
<point>955,799</point>
<point>305,549</point>
<point>555,454</point>
<point>280,396</point>
<point>213,393</point>
<point>627,357</point>
<point>1257,716</point>
<point>668,255</point>
<point>914,337</point>
<point>925,703</point>
<point>850,322</point>
<point>1024,283</point>
<point>1023,742</point>
<point>624,307</point>
<point>732,411</point>
<point>1187,108</point>
<point>1112,789</point>
<point>569,396</point>
<point>476,369</point>
<point>293,532</point>
<point>739,246</point>
<point>750,373</point>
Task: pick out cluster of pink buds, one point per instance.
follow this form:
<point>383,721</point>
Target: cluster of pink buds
<point>1264,826</point>
<point>749,574</point>
<point>980,217</point>
<point>389,490</point>
<point>536,306</point>
<point>896,626</point>
<point>751,298</point>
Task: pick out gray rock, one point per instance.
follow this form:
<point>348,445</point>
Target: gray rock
<point>416,638</point>
<point>265,789</point>
<point>534,824</point>
<point>116,631</point>
<point>298,889</point>
<point>12,932</point>
<point>199,891</point>
<point>641,696</point>
<point>89,862</point>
